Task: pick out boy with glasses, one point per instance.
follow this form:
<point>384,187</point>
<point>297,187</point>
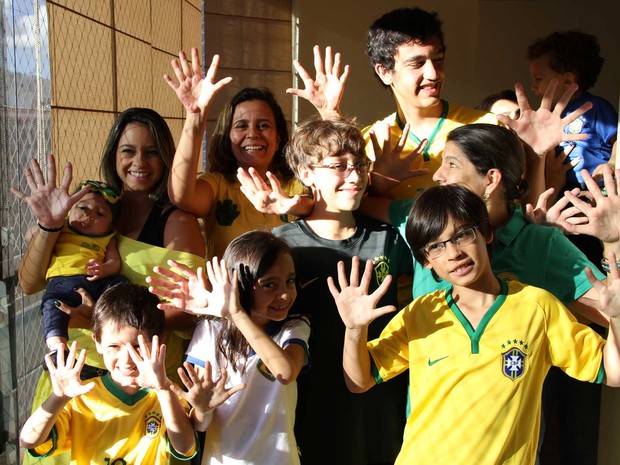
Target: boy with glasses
<point>328,158</point>
<point>477,352</point>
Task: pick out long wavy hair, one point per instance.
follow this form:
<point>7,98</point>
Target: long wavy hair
<point>251,254</point>
<point>164,141</point>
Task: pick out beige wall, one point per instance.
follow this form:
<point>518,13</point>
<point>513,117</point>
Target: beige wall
<point>486,43</point>
<point>107,56</point>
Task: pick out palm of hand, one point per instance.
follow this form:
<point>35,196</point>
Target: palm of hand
<point>50,206</point>
<point>66,383</point>
<point>354,306</point>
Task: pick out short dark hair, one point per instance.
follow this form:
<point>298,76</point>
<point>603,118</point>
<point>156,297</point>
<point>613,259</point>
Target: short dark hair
<point>571,52</point>
<point>432,211</point>
<point>489,146</point>
<point>399,27</point>
<point>220,156</point>
<point>315,139</point>
<point>160,131</point>
<point>506,94</point>
<point>127,304</point>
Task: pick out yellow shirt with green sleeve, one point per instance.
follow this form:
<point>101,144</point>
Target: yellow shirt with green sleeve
<point>112,427</point>
<point>233,214</point>
<point>452,117</point>
<point>476,393</point>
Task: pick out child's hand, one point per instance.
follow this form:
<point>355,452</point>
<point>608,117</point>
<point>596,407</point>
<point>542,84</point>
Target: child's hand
<point>194,92</point>
<point>326,89</point>
<point>94,269</point>
<point>150,363</point>
<point>65,375</point>
<point>204,393</point>
<point>358,309</point>
<point>224,298</point>
<point>48,203</point>
<point>390,168</point>
<point>270,200</point>
<point>186,291</point>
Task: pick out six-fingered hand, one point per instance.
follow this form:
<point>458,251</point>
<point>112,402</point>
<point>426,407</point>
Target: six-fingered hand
<point>65,374</point>
<point>195,92</point>
<point>356,307</point>
<point>185,291</point>
<point>49,203</point>
<point>203,392</point>
<point>543,129</point>
<point>266,199</point>
<point>151,364</point>
<point>602,214</point>
<point>326,89</point>
<point>390,166</point>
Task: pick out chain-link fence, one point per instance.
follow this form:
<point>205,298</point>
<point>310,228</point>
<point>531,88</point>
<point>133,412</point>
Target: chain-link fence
<point>68,68</point>
<point>25,102</point>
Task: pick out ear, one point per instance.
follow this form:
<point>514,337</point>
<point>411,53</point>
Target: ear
<point>568,79</point>
<point>493,179</point>
<point>306,174</point>
<point>490,237</point>
<point>384,74</point>
<point>428,265</point>
<point>97,345</point>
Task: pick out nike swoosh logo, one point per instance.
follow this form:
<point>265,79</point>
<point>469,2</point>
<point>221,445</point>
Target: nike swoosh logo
<point>432,362</point>
<point>307,283</point>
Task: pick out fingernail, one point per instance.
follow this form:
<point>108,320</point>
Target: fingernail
<point>56,303</point>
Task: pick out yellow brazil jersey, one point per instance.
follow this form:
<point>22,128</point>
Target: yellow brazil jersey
<point>73,251</point>
<point>476,394</point>
<point>232,213</point>
<point>452,117</point>
<point>110,427</point>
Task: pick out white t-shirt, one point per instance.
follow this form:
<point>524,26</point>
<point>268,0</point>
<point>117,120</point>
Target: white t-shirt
<point>254,426</point>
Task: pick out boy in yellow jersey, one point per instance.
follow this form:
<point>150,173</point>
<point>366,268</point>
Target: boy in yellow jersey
<point>477,352</point>
<point>131,415</point>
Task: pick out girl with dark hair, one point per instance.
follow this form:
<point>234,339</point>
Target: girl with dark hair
<point>253,340</point>
<point>248,139</point>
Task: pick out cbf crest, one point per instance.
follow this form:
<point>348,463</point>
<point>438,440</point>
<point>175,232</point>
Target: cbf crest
<point>513,363</point>
<point>382,268</point>
<point>152,425</point>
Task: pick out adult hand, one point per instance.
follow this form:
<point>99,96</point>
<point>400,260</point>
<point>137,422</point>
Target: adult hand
<point>326,89</point>
<point>556,215</point>
<point>543,129</point>
<point>195,92</point>
<point>49,203</point>
<point>602,213</point>
<point>266,199</point>
<point>80,316</point>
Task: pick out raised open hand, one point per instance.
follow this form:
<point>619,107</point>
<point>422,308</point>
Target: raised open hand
<point>49,203</point>
<point>203,392</point>
<point>65,374</point>
<point>266,199</point>
<point>186,290</point>
<point>356,307</point>
<point>326,89</point>
<point>195,92</point>
<point>543,129</point>
<point>151,363</point>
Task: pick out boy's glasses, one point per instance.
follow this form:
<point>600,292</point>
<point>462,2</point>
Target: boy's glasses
<point>343,170</point>
<point>437,249</point>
